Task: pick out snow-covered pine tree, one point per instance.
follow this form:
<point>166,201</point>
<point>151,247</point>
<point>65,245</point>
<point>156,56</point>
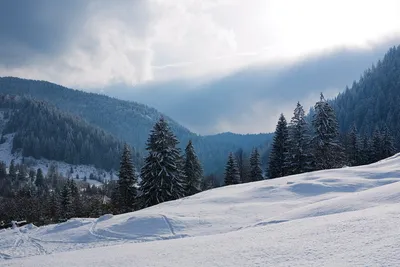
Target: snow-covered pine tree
<point>193,171</point>
<point>277,165</point>
<point>327,151</point>
<point>126,185</point>
<point>232,174</point>
<point>255,166</point>
<point>298,158</point>
<point>162,178</point>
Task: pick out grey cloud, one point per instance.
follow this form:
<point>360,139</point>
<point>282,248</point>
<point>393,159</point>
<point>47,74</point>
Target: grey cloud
<point>28,28</point>
<point>47,28</point>
<point>277,88</point>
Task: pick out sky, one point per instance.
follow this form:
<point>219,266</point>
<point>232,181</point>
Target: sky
<point>146,45</point>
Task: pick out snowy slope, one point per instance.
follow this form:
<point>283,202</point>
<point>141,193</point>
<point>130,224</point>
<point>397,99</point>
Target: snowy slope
<point>345,217</point>
<point>6,156</point>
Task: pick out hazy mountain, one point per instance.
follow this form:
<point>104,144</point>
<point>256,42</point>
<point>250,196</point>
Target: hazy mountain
<point>130,121</point>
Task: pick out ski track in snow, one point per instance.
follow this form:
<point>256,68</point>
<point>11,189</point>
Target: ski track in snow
<point>238,225</point>
<point>168,224</point>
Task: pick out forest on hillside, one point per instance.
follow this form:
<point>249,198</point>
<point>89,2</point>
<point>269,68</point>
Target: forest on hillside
<point>131,122</point>
<point>43,131</point>
<point>371,103</point>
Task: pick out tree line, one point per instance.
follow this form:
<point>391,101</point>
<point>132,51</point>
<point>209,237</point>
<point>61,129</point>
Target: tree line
<point>168,174</point>
<point>28,194</point>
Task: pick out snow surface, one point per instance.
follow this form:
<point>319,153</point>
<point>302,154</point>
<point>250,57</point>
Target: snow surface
<point>343,217</point>
<point>6,156</point>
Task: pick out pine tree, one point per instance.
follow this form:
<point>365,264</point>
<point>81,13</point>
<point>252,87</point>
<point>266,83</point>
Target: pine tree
<point>388,148</point>
<point>54,209</point>
<point>353,151</point>
<point>232,174</point>
<point>376,146</point>
<point>162,178</point>
<point>365,151</point>
<point>127,191</point>
<point>298,158</point>
<point>39,181</point>
<point>255,166</point>
<point>76,198</point>
<point>277,165</point>
<point>32,175</point>
<point>12,171</point>
<point>328,153</point>
<point>67,201</point>
<point>193,171</point>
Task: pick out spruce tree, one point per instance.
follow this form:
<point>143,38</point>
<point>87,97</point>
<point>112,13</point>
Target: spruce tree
<point>255,166</point>
<point>377,146</point>
<point>353,151</point>
<point>298,158</point>
<point>328,153</point>
<point>126,187</point>
<point>388,148</point>
<point>277,165</point>
<point>365,151</point>
<point>193,171</point>
<point>67,201</point>
<point>162,178</point>
<point>12,171</point>
<point>232,174</point>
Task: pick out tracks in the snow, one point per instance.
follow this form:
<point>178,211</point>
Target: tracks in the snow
<point>168,224</point>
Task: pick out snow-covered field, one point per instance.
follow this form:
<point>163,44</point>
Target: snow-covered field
<point>345,217</point>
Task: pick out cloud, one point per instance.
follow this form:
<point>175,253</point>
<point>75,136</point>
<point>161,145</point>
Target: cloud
<point>250,100</point>
<point>96,43</point>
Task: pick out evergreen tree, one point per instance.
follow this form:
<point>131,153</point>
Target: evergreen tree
<point>352,148</point>
<point>127,182</point>
<point>54,206</point>
<point>12,171</point>
<point>162,179</point>
<point>328,153</point>
<point>277,166</point>
<point>39,182</point>
<point>232,174</point>
<point>388,148</point>
<point>255,166</point>
<point>377,146</point>
<point>67,201</point>
<point>243,165</point>
<point>298,158</point>
<point>3,170</point>
<point>193,171</point>
<point>32,175</point>
<point>365,151</point>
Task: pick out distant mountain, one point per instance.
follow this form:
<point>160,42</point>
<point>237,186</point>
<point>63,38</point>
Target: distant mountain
<point>373,101</point>
<point>130,121</point>
<point>40,130</point>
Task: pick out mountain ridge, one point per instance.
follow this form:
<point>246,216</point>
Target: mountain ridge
<point>130,121</point>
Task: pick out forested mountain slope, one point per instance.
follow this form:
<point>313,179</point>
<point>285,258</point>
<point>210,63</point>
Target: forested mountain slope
<point>43,131</point>
<point>373,102</point>
<point>130,121</point>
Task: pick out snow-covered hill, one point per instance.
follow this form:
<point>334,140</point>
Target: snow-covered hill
<point>79,171</point>
<point>344,217</point>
